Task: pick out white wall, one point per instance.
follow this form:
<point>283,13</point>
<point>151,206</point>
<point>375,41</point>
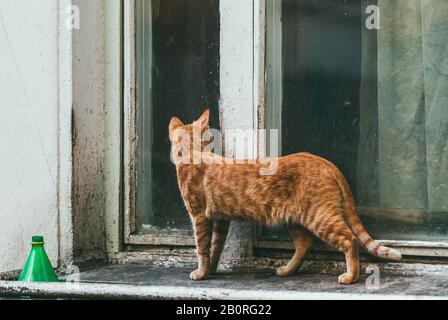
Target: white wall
<point>237,108</point>
<point>33,120</point>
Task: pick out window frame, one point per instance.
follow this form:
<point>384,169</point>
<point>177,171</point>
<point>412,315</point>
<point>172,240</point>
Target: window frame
<point>410,248</point>
<point>184,238</point>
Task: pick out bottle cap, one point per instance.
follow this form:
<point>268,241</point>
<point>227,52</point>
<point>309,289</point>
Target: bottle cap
<point>38,240</point>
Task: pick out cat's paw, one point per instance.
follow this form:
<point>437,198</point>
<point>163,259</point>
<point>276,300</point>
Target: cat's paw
<point>197,275</point>
<point>283,271</point>
<point>345,278</point>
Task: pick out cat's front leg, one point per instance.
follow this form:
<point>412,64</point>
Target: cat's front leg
<point>220,230</point>
<point>203,235</point>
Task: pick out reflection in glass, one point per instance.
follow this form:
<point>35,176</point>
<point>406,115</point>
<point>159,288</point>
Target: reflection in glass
<point>374,102</point>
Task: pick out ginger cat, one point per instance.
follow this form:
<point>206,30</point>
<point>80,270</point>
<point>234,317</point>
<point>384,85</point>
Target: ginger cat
<point>308,193</point>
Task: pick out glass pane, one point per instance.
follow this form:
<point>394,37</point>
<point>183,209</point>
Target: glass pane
<point>177,56</point>
<point>372,101</point>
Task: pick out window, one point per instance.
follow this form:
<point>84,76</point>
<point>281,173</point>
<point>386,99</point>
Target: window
<point>176,54</point>
<point>371,101</point>
<point>374,102</point>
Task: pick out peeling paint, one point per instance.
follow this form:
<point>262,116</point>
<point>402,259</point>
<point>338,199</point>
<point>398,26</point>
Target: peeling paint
<point>89,192</point>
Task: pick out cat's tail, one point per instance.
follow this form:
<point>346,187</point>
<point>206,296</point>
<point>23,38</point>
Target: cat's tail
<point>358,229</point>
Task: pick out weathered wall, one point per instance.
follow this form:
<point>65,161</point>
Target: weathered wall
<point>60,129</point>
<point>89,115</point>
<point>29,129</point>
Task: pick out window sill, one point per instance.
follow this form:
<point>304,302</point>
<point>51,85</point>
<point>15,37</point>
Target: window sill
<point>138,281</point>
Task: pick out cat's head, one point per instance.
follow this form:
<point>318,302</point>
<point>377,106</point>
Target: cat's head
<point>189,137</point>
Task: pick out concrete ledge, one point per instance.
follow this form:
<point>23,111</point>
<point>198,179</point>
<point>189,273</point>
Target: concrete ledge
<point>116,291</point>
<point>137,281</point>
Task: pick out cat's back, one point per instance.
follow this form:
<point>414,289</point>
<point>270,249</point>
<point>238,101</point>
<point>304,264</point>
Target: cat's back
<point>287,174</point>
<point>306,162</point>
<point>240,189</point>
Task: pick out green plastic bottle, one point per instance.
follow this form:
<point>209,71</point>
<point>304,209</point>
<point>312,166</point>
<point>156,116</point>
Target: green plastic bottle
<point>38,267</point>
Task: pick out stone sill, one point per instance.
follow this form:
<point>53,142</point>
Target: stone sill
<point>145,283</point>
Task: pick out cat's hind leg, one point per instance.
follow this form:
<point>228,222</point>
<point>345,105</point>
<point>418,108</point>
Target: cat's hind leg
<point>303,241</point>
<point>343,238</point>
<point>350,250</point>
<point>203,235</point>
<point>220,230</point>
<point>328,224</point>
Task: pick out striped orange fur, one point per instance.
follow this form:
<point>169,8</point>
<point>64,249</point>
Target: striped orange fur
<point>308,193</point>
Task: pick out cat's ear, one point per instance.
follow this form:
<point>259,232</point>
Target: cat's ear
<point>174,124</point>
<point>204,119</point>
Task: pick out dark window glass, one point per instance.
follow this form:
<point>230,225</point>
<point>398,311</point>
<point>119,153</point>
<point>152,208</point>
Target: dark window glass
<point>374,102</point>
<point>177,75</point>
